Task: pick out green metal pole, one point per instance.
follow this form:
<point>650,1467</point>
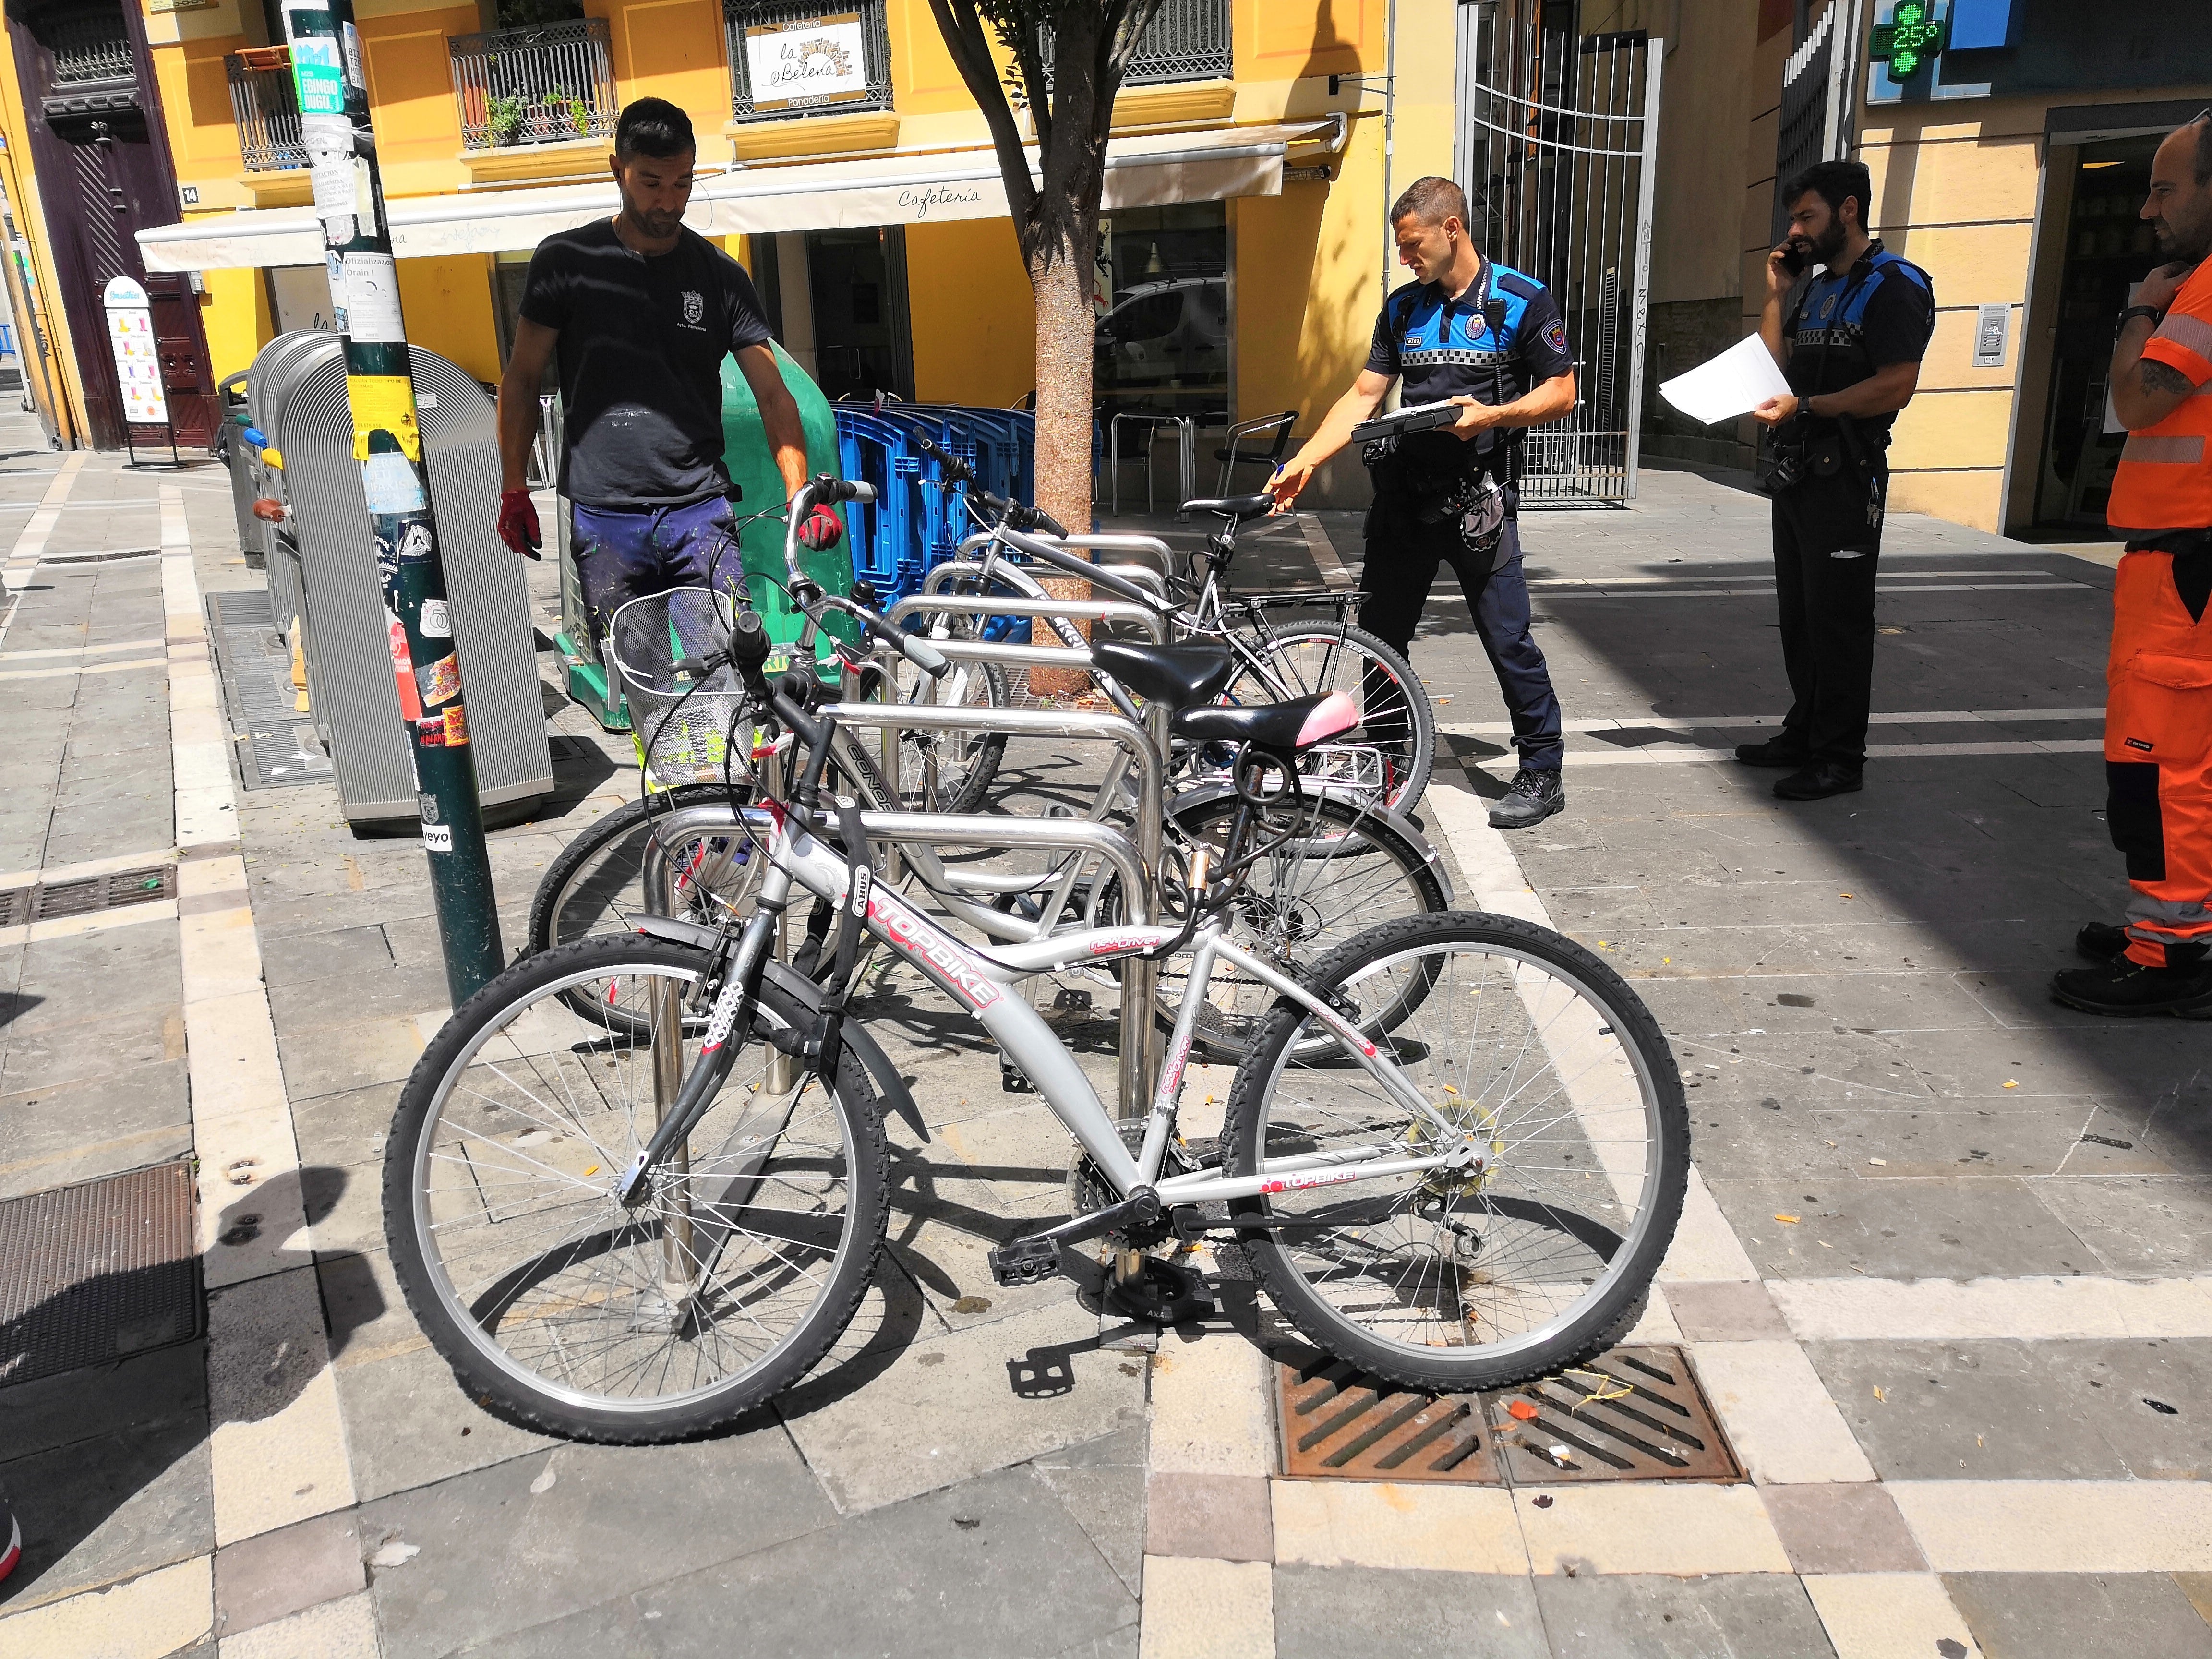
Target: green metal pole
<point>326,66</point>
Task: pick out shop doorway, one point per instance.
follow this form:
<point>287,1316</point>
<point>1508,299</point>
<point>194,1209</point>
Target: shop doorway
<point>104,175</point>
<point>2108,250</point>
<point>838,301</point>
<point>1164,328</point>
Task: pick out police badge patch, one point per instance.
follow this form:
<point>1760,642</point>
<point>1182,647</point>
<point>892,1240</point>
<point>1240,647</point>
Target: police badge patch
<point>1555,335</point>
<point>694,307</point>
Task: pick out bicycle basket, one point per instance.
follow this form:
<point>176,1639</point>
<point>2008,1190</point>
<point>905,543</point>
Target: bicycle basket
<point>682,725</point>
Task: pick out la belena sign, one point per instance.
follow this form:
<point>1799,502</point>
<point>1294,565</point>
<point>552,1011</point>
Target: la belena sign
<point>816,60</point>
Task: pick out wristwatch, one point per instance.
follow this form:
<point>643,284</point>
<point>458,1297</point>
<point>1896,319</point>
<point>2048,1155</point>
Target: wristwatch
<point>2155,315</point>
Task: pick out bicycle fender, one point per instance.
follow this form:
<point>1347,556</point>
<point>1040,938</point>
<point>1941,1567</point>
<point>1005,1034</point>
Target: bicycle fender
<point>889,1086</point>
<point>678,932</point>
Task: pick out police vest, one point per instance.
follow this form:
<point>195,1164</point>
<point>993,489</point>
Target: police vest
<point>2164,481</point>
<point>1828,342</point>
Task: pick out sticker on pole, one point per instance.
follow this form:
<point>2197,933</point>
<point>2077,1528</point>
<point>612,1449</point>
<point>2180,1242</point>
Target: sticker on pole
<point>319,71</point>
<point>437,837</point>
<point>449,730</point>
<point>381,403</point>
<point>403,669</point>
<point>440,681</point>
<point>371,282</point>
<point>437,622</point>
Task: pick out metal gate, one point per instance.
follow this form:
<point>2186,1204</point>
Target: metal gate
<point>1815,122</point>
<point>1557,151</point>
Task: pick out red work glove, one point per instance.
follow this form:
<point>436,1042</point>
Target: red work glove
<point>822,529</point>
<point>518,523</point>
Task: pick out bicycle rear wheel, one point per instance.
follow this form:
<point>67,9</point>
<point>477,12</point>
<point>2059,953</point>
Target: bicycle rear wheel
<point>1396,718</point>
<point>570,1312</point>
<point>1340,871</point>
<point>949,771</point>
<point>1534,1054</point>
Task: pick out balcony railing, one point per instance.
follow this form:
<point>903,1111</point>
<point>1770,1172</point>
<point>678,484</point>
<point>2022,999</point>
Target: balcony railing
<point>842,66</point>
<point>534,86</point>
<point>1186,41</point>
<point>266,105</point>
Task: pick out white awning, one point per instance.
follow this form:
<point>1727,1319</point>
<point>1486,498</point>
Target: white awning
<point>890,189</point>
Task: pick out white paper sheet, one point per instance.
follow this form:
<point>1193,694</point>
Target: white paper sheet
<point>1735,382</point>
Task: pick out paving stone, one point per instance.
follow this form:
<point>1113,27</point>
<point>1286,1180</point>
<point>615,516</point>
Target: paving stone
<point>2063,1615</point>
<point>1227,1517</point>
<point>1039,1379</point>
<point>408,1423</point>
<point>2155,1226</point>
<point>1101,1483</point>
<point>1726,1311</point>
<point>37,1123</point>
<point>259,1581</point>
<point>507,1547</point>
<point>93,1045</point>
<point>992,1568</point>
<point>1373,1612</point>
<point>1634,1616</point>
<point>1942,1229</point>
<point>2024,1410</point>
<point>343,950</point>
<point>1845,1526</point>
<point>108,1508</point>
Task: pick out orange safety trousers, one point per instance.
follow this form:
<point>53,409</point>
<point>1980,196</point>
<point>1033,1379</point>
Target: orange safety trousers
<point>2158,757</point>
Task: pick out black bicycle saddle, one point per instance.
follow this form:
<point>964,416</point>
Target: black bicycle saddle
<point>1282,726</point>
<point>1177,675</point>
<point>1239,508</point>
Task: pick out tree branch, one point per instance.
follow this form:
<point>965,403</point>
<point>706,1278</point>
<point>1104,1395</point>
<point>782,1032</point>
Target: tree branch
<point>963,29</point>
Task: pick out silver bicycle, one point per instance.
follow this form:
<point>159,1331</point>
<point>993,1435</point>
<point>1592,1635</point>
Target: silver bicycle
<point>637,1186</point>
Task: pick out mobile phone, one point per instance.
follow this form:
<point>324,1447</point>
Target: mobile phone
<point>1794,258</point>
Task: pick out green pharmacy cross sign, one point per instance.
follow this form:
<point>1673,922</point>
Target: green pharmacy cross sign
<point>1913,36</point>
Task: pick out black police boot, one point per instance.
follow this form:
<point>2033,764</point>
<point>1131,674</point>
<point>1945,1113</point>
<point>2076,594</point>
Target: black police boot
<point>2123,985</point>
<point>2100,941</point>
<point>1820,780</point>
<point>1530,798</point>
<point>1781,750</point>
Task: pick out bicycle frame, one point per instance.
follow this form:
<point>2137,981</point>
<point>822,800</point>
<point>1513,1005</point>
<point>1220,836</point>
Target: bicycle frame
<point>980,981</point>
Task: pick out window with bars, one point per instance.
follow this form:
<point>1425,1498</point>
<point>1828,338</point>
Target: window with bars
<point>1186,41</point>
<point>89,46</point>
<point>264,106</point>
<point>798,58</point>
<point>535,86</point>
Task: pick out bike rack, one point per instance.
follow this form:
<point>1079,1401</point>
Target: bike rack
<point>1142,574</point>
<point>1108,611</point>
<point>1139,1047</point>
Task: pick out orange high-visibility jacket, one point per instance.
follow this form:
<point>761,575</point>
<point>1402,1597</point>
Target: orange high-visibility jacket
<point>2165,477</point>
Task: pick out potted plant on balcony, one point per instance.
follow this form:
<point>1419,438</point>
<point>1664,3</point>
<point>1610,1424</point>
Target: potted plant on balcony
<point>505,115</point>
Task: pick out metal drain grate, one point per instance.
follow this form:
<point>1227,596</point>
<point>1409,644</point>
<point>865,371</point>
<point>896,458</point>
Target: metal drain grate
<point>87,894</point>
<point>93,1272</point>
<point>1632,1414</point>
<point>16,905</point>
<point>255,663</point>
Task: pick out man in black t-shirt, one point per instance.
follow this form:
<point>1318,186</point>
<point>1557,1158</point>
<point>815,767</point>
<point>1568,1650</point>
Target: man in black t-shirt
<point>1849,347</point>
<point>1490,340</point>
<point>641,312</point>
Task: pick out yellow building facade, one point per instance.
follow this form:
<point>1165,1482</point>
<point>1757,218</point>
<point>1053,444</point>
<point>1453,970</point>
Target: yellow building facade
<point>465,110</point>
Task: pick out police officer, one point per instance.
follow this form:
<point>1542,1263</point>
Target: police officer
<point>1490,340</point>
<point>2158,718</point>
<point>1851,349</point>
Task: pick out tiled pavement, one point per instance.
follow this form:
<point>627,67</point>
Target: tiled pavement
<point>1938,1374</point>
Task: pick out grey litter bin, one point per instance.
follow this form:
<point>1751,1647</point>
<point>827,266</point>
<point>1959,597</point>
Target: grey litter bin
<point>274,375</point>
<point>347,646</point>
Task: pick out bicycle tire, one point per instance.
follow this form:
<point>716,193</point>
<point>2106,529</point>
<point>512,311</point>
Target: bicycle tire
<point>977,754</point>
<point>1417,761</point>
<point>1361,862</point>
<point>1358,1224</point>
<point>510,1011</point>
<point>551,921</point>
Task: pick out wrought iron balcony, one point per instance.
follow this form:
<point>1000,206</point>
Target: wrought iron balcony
<point>265,105</point>
<point>534,86</point>
<point>852,85</point>
<point>1186,41</point>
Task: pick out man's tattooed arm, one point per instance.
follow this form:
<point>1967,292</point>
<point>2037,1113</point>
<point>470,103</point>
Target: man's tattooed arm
<point>2164,378</point>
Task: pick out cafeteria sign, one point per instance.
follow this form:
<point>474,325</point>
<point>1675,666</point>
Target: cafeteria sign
<point>816,60</point>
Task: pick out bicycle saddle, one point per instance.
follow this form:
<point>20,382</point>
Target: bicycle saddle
<point>1239,508</point>
<point>1282,726</point>
<point>1177,675</point>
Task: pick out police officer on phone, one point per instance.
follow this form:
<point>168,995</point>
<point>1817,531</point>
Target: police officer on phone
<point>1849,347</point>
<point>1472,333</point>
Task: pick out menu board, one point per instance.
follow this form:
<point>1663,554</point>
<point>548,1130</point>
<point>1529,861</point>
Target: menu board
<point>138,361</point>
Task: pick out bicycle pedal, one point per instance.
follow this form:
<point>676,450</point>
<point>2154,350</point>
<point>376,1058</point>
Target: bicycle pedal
<point>1025,1261</point>
<point>1013,1080</point>
<point>1078,1000</point>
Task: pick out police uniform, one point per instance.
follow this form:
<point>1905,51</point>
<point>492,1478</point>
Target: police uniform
<point>1827,523</point>
<point>2158,717</point>
<point>1493,343</point>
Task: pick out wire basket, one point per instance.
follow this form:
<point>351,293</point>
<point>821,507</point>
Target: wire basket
<point>683,723</point>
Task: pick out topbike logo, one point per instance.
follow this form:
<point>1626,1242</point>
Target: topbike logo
<point>914,935</point>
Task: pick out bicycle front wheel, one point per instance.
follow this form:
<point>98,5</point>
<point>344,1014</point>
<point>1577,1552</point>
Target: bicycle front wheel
<point>1396,718</point>
<point>595,885</point>
<point>1539,1064</point>
<point>576,1314</point>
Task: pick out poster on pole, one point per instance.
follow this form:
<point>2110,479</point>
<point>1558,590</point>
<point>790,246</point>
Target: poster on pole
<point>137,362</point>
<point>813,60</point>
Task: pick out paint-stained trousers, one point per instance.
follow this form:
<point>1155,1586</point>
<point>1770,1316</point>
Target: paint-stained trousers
<point>2158,746</point>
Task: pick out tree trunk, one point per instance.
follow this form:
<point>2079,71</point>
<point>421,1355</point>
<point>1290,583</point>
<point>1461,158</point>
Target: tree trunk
<point>1060,279</point>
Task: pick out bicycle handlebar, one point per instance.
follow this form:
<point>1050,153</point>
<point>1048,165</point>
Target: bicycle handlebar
<point>814,492</point>
<point>1013,512</point>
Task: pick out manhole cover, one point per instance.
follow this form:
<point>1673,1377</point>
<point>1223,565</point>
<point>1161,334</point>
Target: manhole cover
<point>93,1272</point>
<point>1632,1414</point>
